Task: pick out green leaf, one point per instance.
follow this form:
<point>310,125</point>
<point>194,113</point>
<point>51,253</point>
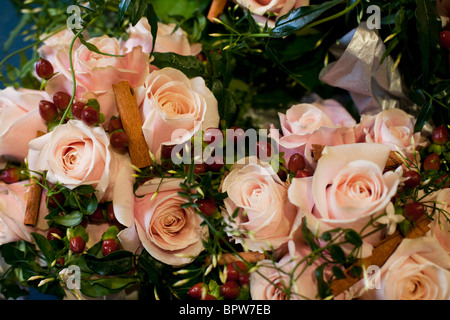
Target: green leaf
<point>85,189</point>
<point>298,18</point>
<point>69,220</point>
<point>337,254</point>
<point>93,48</point>
<point>45,246</point>
<point>355,271</point>
<point>308,237</point>
<point>338,273</point>
<point>92,205</point>
<point>428,27</point>
<point>155,269</point>
<point>352,237</point>
<point>323,290</point>
<point>122,9</point>
<point>117,262</point>
<point>189,65</point>
<point>138,11</point>
<point>153,21</point>
<point>100,287</point>
<point>110,233</point>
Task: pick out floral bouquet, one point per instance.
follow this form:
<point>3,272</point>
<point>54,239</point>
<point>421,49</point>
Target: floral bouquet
<point>218,150</point>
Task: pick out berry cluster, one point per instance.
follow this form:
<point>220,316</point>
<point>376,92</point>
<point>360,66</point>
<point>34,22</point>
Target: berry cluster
<point>237,281</point>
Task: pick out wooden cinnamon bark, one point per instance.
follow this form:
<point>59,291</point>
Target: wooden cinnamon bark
<point>216,9</point>
<point>132,124</point>
<point>33,204</point>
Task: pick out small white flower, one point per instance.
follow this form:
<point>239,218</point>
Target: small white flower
<point>390,219</point>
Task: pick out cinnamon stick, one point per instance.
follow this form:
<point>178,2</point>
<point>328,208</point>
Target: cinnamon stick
<point>216,9</point>
<point>250,257</point>
<point>380,254</point>
<point>132,124</point>
<point>33,204</point>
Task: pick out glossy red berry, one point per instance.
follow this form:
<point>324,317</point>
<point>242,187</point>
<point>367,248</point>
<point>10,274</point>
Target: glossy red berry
<point>230,290</point>
<point>109,246</point>
<point>119,141</point>
<point>55,200</point>
<point>166,151</point>
<point>296,162</point>
<point>77,244</point>
<point>110,213</point>
<point>212,134</point>
<point>444,39</point>
<point>414,210</point>
<point>54,231</point>
<point>302,174</point>
<point>413,179</point>
<point>97,216</point>
<point>77,108</point>
<point>235,269</point>
<point>47,110</point>
<point>44,69</point>
<point>244,279</point>
<point>61,100</point>
<point>90,116</point>
<point>209,297</point>
<point>207,206</point>
<point>440,135</point>
<point>61,261</point>
<point>432,162</point>
<point>196,290</point>
<point>200,168</point>
<point>216,164</point>
<point>10,175</point>
<point>115,124</point>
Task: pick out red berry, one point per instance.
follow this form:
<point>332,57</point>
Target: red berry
<point>119,141</point>
<point>90,116</point>
<point>244,279</point>
<point>44,69</point>
<point>110,213</point>
<point>413,179</point>
<point>77,244</point>
<point>97,216</point>
<point>200,168</point>
<point>238,134</point>
<point>432,162</point>
<point>166,151</point>
<point>235,269</point>
<point>47,110</point>
<point>209,297</point>
<point>52,231</point>
<point>10,175</point>
<point>55,200</point>
<point>302,174</point>
<point>217,163</point>
<point>413,211</point>
<point>282,174</point>
<point>115,124</point>
<point>264,150</point>
<point>440,135</point>
<point>212,134</point>
<point>196,290</point>
<point>61,261</point>
<point>296,162</point>
<point>230,290</point>
<point>109,246</point>
<point>61,100</point>
<point>444,39</point>
<point>207,206</point>
<point>77,108</point>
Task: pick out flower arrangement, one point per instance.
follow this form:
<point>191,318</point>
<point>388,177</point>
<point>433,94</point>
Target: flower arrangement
<point>227,151</point>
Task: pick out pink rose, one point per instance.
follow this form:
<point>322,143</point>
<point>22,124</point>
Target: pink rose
<point>175,107</point>
<point>170,234</point>
<point>96,73</point>
<point>324,123</point>
<point>288,279</point>
<point>13,203</point>
<point>266,219</point>
<point>19,120</point>
<point>281,7</point>
<point>418,270</point>
<point>169,38</point>
<point>443,10</point>
<point>347,190</point>
<point>74,154</point>
<point>393,127</point>
<point>440,226</point>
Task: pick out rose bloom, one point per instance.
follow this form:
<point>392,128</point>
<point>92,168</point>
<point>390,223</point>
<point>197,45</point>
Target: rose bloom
<point>96,73</point>
<point>440,226</point>
<point>19,120</point>
<point>175,107</point>
<point>443,11</point>
<point>281,7</point>
<point>273,281</point>
<point>393,127</point>
<point>169,38</point>
<point>418,270</point>
<point>75,154</point>
<point>168,232</point>
<point>264,210</point>
<point>13,204</point>
<point>347,190</point>
<point>324,123</point>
